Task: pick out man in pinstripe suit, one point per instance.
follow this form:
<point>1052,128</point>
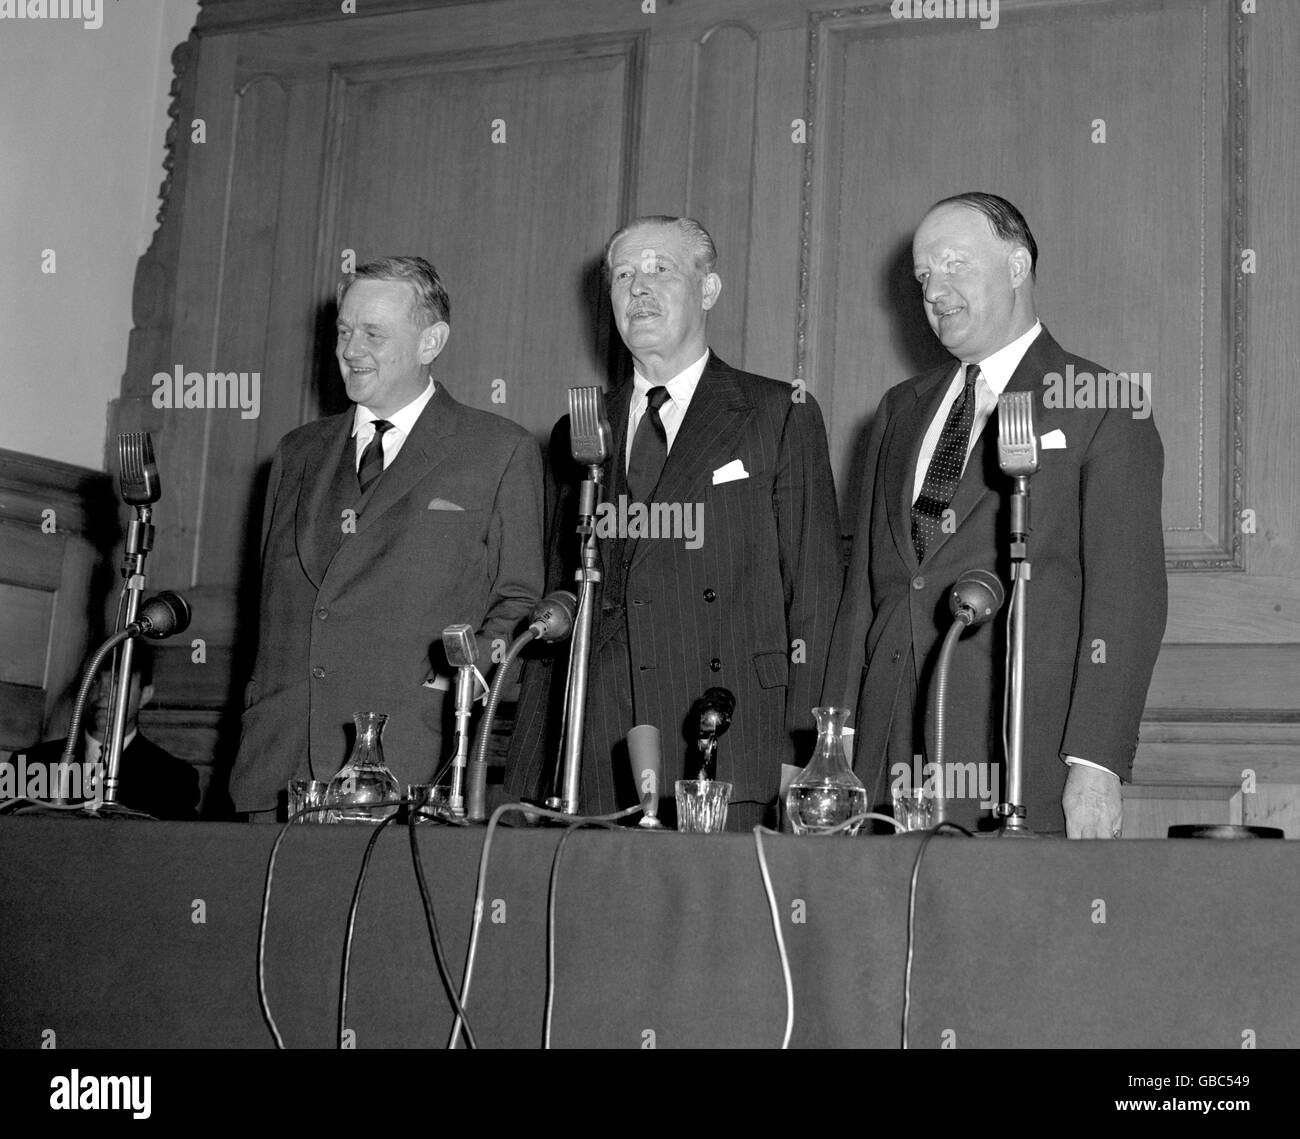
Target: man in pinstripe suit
<point>751,607</point>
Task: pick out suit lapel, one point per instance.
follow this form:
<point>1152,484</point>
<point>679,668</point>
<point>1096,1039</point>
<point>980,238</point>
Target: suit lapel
<point>717,415</point>
<point>903,449</point>
<point>318,522</point>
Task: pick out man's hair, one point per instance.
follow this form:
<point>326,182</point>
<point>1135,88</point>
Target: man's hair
<point>429,303</point>
<point>1007,222</point>
<point>698,241</point>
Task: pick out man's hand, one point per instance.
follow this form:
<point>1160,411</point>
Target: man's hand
<point>1092,803</point>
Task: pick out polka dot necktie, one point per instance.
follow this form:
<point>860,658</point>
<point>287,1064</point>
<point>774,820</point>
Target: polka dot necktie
<point>945,468</point>
<point>649,449</point>
<point>372,458</point>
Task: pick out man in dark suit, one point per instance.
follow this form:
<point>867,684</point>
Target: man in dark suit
<point>384,525</point>
<point>935,504</point>
<point>746,603</point>
<point>151,780</point>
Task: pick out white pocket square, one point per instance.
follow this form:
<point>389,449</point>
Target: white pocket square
<point>732,472</point>
<point>1053,440</point>
<point>443,504</point>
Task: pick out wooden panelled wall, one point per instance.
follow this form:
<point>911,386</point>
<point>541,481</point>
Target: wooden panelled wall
<point>1151,144</point>
<point>56,523</point>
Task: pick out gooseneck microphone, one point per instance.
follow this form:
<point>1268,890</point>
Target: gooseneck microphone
<point>550,621</point>
<point>162,616</point>
<point>975,598</point>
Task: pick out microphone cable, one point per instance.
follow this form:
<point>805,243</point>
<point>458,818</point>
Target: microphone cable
<point>911,918</point>
<point>481,887</point>
<point>430,918</point>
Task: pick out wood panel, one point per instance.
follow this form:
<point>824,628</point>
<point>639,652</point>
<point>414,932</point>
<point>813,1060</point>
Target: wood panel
<point>1151,77</point>
<point>461,159</point>
<point>58,523</point>
<point>328,131</point>
<point>721,165</point>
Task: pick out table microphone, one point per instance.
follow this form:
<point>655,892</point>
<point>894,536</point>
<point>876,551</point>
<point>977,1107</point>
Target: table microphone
<point>645,751</point>
<point>462,652</point>
<point>713,712</point>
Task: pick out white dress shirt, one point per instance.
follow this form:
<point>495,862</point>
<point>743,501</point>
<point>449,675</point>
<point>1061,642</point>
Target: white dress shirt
<point>680,390</point>
<point>363,426</point>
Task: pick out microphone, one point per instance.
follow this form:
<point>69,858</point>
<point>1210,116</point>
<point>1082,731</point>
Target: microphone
<point>550,620</point>
<point>1017,441</point>
<point>976,596</point>
<point>462,652</point>
<point>715,709</point>
<point>138,469</point>
<point>162,616</point>
<point>589,430</point>
<point>974,599</point>
<point>552,617</point>
<point>1018,457</point>
<point>713,712</point>
<point>645,753</point>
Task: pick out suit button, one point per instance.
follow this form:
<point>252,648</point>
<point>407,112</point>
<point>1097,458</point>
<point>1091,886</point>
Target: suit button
<point>918,583</point>
<point>715,665</point>
<point>322,613</point>
<point>318,672</point>
<point>710,595</point>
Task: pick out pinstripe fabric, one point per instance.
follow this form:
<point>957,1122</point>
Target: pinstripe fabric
<point>675,621</point>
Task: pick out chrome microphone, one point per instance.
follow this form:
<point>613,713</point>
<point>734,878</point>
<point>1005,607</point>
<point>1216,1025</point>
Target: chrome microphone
<point>462,653</point>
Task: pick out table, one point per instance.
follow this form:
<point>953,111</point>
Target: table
<point>123,935</point>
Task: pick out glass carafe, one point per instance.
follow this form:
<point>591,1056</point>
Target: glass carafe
<point>826,792</point>
<point>364,781</point>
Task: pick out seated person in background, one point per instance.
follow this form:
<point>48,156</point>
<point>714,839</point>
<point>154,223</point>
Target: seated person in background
<point>150,779</point>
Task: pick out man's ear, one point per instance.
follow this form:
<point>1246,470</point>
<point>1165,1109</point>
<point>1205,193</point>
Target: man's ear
<point>712,289</point>
<point>433,340</point>
<point>1021,266</point>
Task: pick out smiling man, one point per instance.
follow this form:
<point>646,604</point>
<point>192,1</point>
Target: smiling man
<point>934,505</point>
<point>748,604</point>
<point>383,526</point>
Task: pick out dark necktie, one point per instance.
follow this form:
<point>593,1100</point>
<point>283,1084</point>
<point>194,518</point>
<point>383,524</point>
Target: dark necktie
<point>944,472</point>
<point>649,449</point>
<point>372,458</point>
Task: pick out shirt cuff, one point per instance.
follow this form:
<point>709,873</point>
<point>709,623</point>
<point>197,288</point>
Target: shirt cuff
<point>1071,760</point>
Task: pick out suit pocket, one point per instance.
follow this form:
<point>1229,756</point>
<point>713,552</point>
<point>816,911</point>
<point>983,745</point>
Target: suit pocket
<point>773,669</point>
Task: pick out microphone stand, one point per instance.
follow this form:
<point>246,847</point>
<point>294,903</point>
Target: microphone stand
<point>1014,824</point>
<point>568,772</point>
<point>139,541</point>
